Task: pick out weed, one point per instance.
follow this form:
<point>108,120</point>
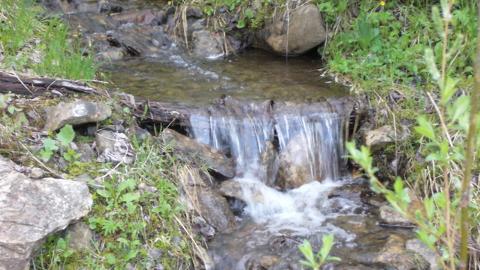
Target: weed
<point>315,261</point>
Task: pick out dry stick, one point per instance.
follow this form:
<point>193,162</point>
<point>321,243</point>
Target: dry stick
<point>469,159</point>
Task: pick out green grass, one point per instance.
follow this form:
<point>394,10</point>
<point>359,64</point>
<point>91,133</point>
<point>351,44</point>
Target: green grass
<point>129,220</point>
<point>32,42</point>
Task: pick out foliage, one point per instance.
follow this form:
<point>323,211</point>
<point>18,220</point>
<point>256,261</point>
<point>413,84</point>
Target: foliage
<point>384,45</point>
<point>62,139</point>
<point>32,41</point>
<point>315,261</point>
<point>135,210</point>
<point>443,137</point>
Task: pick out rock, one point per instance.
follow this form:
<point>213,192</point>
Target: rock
<point>420,248</point>
<point>36,173</point>
<point>231,188</point>
<point>26,220</point>
<point>113,54</point>
<point>114,147</point>
<point>207,44</point>
<point>269,161</point>
<point>304,31</point>
<point>395,254</point>
<point>80,236</point>
<point>76,113</point>
<point>294,169</point>
<point>203,227</point>
<point>391,216</point>
<point>214,208</point>
<point>206,155</point>
<point>379,137</point>
<point>206,202</point>
<point>86,152</point>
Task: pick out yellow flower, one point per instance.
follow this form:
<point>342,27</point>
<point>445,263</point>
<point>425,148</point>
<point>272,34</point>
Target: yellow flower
<point>382,3</point>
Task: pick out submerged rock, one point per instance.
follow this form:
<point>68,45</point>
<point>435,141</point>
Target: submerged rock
<point>301,31</point>
<point>420,248</point>
<point>395,254</point>
<point>114,147</point>
<point>26,220</point>
<point>213,159</point>
<point>76,113</point>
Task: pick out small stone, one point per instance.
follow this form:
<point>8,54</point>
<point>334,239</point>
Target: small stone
<point>391,216</point>
<point>36,173</point>
<point>380,137</point>
<point>76,113</point>
<point>114,147</point>
<point>207,44</point>
<point>86,152</point>
<point>80,236</point>
<point>420,248</point>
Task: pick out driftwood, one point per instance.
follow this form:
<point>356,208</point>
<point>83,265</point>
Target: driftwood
<point>26,85</point>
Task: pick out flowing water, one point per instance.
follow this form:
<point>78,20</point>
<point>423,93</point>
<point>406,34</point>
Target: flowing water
<point>275,110</point>
<point>282,123</point>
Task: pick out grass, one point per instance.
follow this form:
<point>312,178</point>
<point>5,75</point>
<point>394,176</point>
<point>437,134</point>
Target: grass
<point>35,43</point>
<point>130,220</point>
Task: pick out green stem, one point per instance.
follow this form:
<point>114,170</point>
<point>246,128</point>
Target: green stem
<point>469,159</point>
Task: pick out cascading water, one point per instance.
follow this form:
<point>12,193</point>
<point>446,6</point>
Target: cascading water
<point>247,131</point>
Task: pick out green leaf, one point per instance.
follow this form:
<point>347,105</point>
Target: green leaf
<point>104,193</point>
<point>50,145</point>
<point>129,184</point>
<point>45,155</point>
<point>448,90</point>
<point>327,244</point>
<point>425,128</point>
<point>130,197</point>
<point>241,24</point>
<point>66,135</point>
<point>431,65</point>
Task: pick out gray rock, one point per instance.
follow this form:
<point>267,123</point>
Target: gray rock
<point>294,170</point>
<point>378,138</point>
<point>420,248</point>
<point>36,173</point>
<point>113,54</point>
<point>395,254</point>
<point>205,201</point>
<point>86,152</point>
<point>207,44</point>
<point>269,161</point>
<point>76,113</point>
<point>26,220</point>
<point>391,216</point>
<point>306,31</point>
<point>215,209</point>
<point>114,147</point>
<point>80,236</point>
<point>206,155</point>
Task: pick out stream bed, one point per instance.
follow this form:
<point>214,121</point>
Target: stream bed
<point>282,123</point>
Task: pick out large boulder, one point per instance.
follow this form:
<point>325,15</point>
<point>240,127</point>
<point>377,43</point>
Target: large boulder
<point>302,30</point>
<point>76,113</point>
<point>33,209</point>
<point>211,158</point>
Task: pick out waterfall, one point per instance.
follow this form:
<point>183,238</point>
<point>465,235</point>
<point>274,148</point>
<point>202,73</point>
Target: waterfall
<point>308,136</point>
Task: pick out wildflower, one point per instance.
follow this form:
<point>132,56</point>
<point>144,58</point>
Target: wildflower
<point>382,3</point>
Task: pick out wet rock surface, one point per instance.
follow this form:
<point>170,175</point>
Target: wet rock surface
<point>210,157</point>
<point>25,221</point>
<point>76,113</point>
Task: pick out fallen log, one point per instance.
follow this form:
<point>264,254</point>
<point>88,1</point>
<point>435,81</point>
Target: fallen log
<point>27,85</point>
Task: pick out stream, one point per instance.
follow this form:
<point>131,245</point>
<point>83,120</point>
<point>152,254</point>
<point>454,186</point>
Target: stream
<point>285,127</point>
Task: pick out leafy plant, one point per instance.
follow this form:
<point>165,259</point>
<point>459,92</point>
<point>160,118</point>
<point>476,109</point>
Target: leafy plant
<point>445,214</point>
<point>64,137</point>
<point>315,261</point>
